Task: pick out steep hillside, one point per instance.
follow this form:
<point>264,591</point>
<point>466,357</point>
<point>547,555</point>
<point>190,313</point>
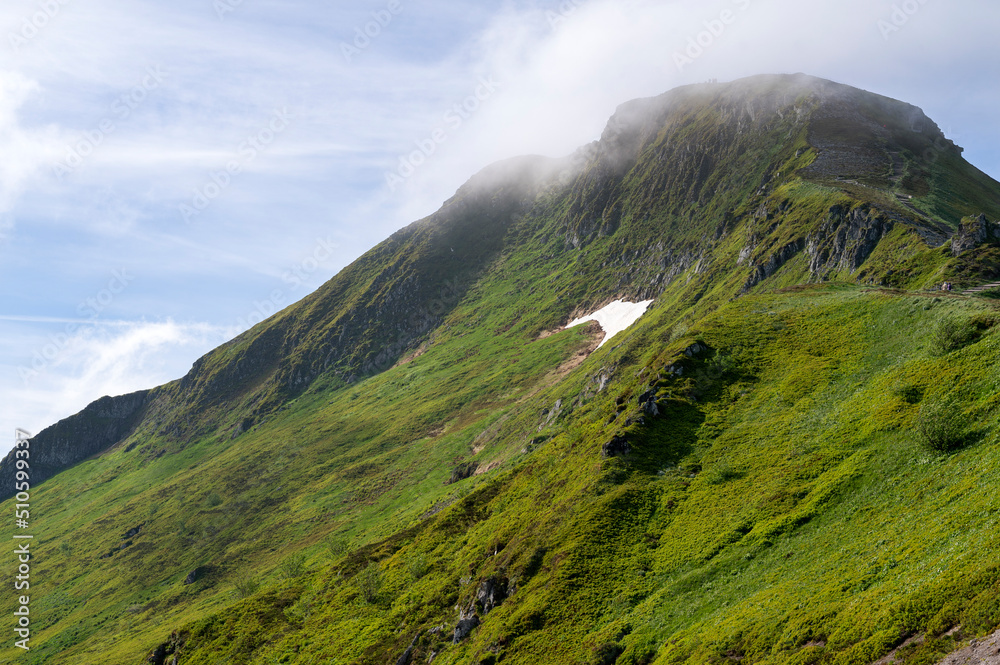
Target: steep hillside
<point>789,458</point>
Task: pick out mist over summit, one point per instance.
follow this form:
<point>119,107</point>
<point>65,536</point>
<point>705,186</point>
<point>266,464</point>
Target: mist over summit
<point>423,461</point>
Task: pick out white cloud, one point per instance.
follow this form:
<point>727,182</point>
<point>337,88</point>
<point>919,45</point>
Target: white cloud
<point>559,81</point>
<point>25,151</point>
<point>69,371</point>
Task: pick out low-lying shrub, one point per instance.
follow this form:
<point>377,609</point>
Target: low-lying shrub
<point>942,424</point>
<point>953,334</point>
<point>369,583</point>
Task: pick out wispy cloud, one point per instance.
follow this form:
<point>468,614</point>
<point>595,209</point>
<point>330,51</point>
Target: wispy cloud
<point>53,319</point>
<point>566,66</point>
<point>561,68</point>
<point>25,150</point>
<point>110,358</point>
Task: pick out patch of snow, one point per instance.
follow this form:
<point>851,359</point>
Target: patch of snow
<point>615,317</point>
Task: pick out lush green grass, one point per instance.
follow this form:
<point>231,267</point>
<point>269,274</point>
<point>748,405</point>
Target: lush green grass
<point>783,504</point>
<point>782,487</point>
<point>800,493</point>
<point>358,466</point>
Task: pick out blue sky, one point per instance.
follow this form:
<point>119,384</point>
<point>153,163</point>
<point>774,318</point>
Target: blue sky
<point>172,172</point>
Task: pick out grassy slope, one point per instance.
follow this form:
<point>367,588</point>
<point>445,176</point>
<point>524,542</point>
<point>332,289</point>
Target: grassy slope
<point>768,444</point>
<point>344,466</point>
<point>784,491</point>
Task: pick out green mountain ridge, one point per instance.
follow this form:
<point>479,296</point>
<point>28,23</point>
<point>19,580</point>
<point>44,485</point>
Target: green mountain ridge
<point>416,461</point>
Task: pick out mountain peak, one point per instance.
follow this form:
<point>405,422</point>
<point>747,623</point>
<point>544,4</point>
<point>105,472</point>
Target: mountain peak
<point>419,459</point>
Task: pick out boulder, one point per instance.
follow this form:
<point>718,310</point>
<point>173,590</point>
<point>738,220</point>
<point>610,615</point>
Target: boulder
<point>462,471</point>
<point>196,574</point>
<point>407,656</point>
<point>695,349</point>
<point>465,628</point>
<point>616,447</point>
<point>491,594</point>
<point>648,402</point>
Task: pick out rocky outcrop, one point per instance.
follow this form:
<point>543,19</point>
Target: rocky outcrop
<point>618,446</point>
<point>648,403</point>
<point>491,594</point>
<point>773,263</point>
<point>465,627</point>
<point>695,349</point>
<point>407,656</point>
<point>169,652</point>
<point>197,574</point>
<point>974,232</point>
<point>845,240</point>
<point>127,541</point>
<point>101,425</point>
<point>549,416</point>
<point>461,472</point>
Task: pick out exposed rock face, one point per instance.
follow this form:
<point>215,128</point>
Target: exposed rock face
<point>651,407</point>
<point>695,349</point>
<point>648,403</point>
<point>464,628</point>
<point>857,152</point>
<point>982,651</point>
<point>491,594</point>
<point>95,429</point>
<point>774,262</point>
<point>407,656</point>
<point>976,232</point>
<point>551,415</point>
<point>845,240</point>
<point>169,652</point>
<point>198,573</point>
<point>616,447</point>
<point>462,471</point>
